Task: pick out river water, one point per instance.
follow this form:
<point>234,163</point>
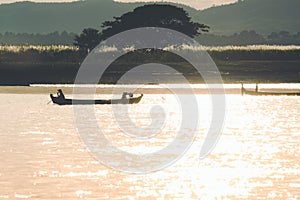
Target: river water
<point>256,157</point>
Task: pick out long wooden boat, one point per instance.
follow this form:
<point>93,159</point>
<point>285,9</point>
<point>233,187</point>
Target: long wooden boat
<point>60,100</point>
<point>261,93</point>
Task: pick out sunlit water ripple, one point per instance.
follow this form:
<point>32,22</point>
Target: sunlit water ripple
<point>257,156</point>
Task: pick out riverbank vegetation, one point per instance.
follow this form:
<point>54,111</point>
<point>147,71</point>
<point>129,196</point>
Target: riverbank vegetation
<point>242,38</point>
<point>27,64</point>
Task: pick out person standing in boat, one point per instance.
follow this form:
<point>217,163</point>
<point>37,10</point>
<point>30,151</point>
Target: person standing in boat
<point>124,95</point>
<point>60,94</point>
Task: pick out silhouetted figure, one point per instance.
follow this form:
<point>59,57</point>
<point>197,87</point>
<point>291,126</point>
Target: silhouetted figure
<point>256,88</point>
<point>60,94</point>
<point>124,95</point>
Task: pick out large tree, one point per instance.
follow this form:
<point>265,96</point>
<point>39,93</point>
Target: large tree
<point>154,15</point>
<point>150,15</point>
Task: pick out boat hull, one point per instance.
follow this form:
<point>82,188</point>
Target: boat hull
<point>63,101</point>
<point>256,93</point>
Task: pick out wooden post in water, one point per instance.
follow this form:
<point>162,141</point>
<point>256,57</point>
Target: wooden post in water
<point>242,89</point>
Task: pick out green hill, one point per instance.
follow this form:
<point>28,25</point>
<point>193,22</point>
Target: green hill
<point>29,17</point>
<point>32,17</point>
<point>263,16</point>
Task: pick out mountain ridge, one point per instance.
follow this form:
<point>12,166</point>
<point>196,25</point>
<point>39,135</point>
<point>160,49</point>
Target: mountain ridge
<point>262,16</point>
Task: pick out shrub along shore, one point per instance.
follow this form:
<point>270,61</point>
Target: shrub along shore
<point>24,65</point>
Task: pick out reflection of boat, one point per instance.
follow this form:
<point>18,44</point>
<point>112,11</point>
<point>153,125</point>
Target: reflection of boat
<point>259,93</point>
<point>61,100</point>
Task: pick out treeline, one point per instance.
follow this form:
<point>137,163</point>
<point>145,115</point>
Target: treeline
<point>30,66</point>
<point>242,38</point>
<point>54,38</point>
<point>70,54</point>
<point>250,38</point>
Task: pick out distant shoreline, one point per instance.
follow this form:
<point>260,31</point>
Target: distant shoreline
<point>264,64</point>
<point>150,89</point>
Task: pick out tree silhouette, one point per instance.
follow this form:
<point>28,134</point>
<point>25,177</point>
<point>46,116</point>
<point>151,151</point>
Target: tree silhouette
<point>88,39</point>
<point>150,15</point>
<point>154,15</point>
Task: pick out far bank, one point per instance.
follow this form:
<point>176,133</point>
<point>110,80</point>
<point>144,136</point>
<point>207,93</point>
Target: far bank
<point>59,65</point>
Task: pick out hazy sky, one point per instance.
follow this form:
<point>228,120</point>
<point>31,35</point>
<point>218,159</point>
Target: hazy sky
<point>199,4</point>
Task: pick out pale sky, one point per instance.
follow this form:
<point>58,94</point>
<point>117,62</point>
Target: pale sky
<point>199,4</point>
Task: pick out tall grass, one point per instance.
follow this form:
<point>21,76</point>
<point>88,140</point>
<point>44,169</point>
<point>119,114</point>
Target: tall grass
<point>39,48</point>
<point>65,53</point>
<point>59,48</point>
<point>253,48</point>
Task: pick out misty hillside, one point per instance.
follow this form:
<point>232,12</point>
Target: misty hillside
<point>48,17</point>
<point>264,16</point>
<point>29,17</point>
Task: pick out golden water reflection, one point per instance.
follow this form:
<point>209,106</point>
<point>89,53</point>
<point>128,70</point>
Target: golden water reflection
<point>257,156</point>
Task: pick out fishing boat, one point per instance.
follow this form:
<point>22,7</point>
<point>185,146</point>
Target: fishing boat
<point>61,100</point>
<point>261,93</point>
